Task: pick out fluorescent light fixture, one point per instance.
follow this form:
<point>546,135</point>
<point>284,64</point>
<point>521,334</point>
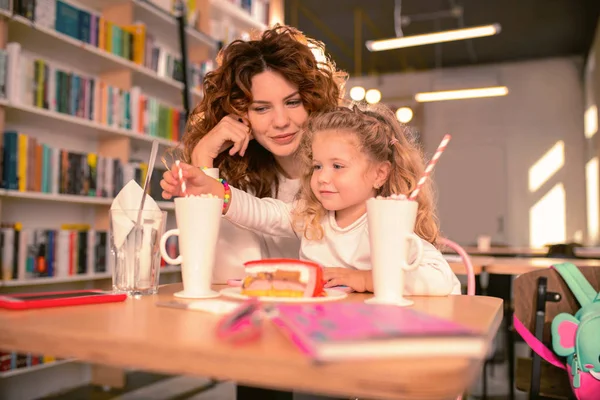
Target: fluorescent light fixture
<point>436,37</point>
<point>492,91</point>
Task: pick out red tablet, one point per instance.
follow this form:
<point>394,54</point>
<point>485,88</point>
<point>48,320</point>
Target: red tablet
<point>25,301</point>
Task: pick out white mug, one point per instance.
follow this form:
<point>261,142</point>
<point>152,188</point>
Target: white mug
<point>198,223</point>
<point>391,230</point>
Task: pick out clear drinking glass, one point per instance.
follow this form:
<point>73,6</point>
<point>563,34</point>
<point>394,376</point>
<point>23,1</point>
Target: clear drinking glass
<point>135,253</point>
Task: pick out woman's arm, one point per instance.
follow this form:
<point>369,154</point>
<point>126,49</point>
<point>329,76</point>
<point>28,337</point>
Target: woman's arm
<point>433,277</point>
<point>267,215</point>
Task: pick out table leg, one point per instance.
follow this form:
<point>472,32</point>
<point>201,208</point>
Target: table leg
<point>256,393</point>
<point>501,286</point>
<point>510,341</point>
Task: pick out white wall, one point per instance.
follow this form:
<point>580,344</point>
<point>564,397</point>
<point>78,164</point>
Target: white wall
<point>544,105</point>
<point>591,104</point>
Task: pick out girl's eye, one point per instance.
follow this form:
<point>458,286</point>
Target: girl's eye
<point>338,166</point>
<point>315,167</point>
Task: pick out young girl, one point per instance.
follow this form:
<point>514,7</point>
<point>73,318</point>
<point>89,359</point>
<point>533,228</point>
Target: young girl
<point>349,156</point>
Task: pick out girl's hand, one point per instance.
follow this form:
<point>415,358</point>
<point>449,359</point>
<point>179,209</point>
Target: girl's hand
<point>196,181</point>
<point>358,280</point>
<point>230,130</point>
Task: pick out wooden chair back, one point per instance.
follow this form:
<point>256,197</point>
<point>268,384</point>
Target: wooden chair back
<point>554,381</point>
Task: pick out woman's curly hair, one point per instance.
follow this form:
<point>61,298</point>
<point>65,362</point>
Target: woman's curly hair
<point>227,90</point>
<point>381,138</point>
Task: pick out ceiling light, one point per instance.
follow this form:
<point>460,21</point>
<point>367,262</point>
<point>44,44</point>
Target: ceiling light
<point>357,93</point>
<point>462,94</point>
<point>373,96</point>
<point>436,37</point>
<point>404,114</point>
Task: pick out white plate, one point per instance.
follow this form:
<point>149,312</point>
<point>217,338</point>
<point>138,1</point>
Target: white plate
<point>332,295</point>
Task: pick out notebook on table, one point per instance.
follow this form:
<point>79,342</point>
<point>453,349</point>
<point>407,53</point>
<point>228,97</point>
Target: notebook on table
<point>344,331</point>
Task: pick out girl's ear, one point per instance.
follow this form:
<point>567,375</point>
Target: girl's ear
<point>382,173</point>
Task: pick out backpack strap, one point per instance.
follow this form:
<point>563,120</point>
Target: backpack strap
<point>578,284</point>
<point>536,345</point>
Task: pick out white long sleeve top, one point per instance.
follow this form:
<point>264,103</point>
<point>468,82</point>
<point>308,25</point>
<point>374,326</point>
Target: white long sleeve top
<point>340,247</point>
<point>237,245</point>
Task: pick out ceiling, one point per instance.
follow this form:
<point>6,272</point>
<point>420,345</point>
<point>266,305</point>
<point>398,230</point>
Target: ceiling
<point>530,29</point>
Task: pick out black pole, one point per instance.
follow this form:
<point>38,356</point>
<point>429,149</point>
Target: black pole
<point>180,10</point>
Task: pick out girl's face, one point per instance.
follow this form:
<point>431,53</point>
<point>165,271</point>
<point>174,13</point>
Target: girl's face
<point>276,114</point>
<point>343,177</point>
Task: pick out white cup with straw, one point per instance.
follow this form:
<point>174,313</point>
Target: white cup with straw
<point>392,239</point>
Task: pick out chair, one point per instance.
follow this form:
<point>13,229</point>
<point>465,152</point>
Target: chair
<point>539,297</point>
<point>465,259</point>
<point>468,265</point>
<point>562,250</point>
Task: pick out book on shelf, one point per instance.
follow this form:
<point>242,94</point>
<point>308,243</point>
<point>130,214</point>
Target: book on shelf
<point>343,331</point>
<point>130,42</point>
<point>30,253</point>
<point>225,29</point>
<point>27,165</point>
<point>36,82</point>
<point>3,70</point>
<point>12,360</point>
<point>258,9</point>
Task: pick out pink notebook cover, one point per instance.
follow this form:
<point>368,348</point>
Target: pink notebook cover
<point>309,325</point>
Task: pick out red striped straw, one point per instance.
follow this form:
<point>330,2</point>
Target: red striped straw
<point>183,188</point>
<point>430,166</point>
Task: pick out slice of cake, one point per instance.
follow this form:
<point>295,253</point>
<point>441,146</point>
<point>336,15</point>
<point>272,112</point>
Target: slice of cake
<point>283,278</point>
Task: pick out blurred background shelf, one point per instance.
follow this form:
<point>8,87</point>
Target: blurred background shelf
<point>21,114</point>
<point>71,198</point>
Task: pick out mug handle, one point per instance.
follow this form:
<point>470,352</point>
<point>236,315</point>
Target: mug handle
<point>417,242</point>
<point>163,251</point>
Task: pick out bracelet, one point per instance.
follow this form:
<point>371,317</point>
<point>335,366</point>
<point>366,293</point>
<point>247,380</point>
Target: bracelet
<point>227,195</point>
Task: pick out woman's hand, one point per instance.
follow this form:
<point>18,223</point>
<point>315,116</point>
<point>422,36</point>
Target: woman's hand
<point>196,181</point>
<point>360,281</point>
<point>230,130</point>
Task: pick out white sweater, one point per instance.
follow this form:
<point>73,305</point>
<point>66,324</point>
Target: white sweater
<point>236,245</point>
<point>340,247</point>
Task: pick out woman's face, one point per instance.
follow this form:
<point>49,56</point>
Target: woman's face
<point>276,114</point>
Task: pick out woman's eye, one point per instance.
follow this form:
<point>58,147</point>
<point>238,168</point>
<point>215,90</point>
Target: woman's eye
<point>295,103</point>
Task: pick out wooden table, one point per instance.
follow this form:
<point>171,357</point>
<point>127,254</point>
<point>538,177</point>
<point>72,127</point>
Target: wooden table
<point>139,334</point>
<point>587,252</point>
<point>507,251</point>
<point>516,266</point>
<point>458,267</point>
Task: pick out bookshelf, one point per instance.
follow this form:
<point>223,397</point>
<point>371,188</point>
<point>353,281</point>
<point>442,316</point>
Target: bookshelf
<point>34,368</point>
<point>67,198</point>
<point>21,114</point>
<point>227,10</point>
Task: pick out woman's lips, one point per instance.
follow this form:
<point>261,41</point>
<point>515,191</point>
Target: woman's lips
<point>284,139</point>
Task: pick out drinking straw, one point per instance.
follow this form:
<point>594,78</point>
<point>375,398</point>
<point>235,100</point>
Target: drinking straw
<point>430,166</point>
<point>147,180</point>
<point>183,188</point>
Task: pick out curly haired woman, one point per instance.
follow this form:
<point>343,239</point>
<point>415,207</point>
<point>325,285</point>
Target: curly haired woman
<point>255,105</point>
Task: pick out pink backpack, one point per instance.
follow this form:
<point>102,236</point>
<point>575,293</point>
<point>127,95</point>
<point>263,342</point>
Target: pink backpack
<point>575,337</point>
